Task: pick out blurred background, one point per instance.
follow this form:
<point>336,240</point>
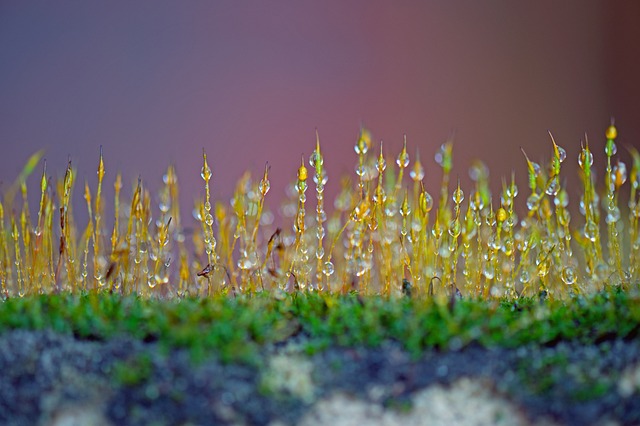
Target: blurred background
<point>154,82</point>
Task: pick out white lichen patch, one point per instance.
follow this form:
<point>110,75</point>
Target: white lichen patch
<point>629,382</point>
<point>291,374</point>
<point>466,402</point>
<point>79,415</point>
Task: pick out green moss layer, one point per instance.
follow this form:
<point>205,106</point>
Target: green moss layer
<point>236,328</point>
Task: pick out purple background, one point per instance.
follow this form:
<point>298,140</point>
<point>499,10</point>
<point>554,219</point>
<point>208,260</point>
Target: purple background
<point>154,82</point>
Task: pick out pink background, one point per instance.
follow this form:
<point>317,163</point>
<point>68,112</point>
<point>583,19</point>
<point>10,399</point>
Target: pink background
<point>154,82</point>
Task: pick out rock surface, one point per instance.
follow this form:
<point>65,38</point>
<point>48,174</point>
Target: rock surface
<point>52,379</point>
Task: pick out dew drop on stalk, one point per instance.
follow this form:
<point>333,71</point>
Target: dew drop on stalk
<point>328,268</point>
<point>488,271</point>
<point>381,164</point>
<point>564,217</point>
<point>585,158</point>
<point>507,246</point>
<point>315,158</point>
<point>244,263</point>
<point>525,276</point>
<point>568,275</point>
<point>208,219</point>
<point>610,148</point>
<point>264,186</point>
<point>417,173</point>
<point>403,159</point>
<point>536,168</point>
<point>591,231</point>
<point>613,215</point>
<point>454,228</point>
<point>440,156</point>
<point>532,201</point>
<point>205,173</point>
<point>553,186</point>
<point>458,196</point>
<point>619,174</point>
<point>321,182</point>
<point>161,278</point>
<point>543,268</point>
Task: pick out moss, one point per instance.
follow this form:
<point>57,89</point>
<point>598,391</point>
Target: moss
<point>237,329</point>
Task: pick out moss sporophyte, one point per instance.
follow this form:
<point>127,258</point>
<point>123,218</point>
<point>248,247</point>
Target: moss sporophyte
<point>386,235</point>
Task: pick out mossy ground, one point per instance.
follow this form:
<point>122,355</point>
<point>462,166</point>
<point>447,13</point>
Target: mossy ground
<point>237,328</point>
<point>152,357</point>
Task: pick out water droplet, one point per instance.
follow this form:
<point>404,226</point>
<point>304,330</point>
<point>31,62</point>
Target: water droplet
<point>417,173</point>
<point>454,228</point>
<point>543,268</point>
<point>562,154</point>
<point>532,201</point>
<point>564,217</point>
<point>208,219</point>
<point>591,231</point>
<point>568,275</point>
<point>441,155</point>
<point>613,215</point>
<point>161,278</point>
<point>328,269</point>
<point>610,148</point>
<point>320,253</point>
<point>264,186</point>
<point>585,158</point>
<point>244,263</point>
<point>553,186</point>
<point>205,173</point>
<point>403,159</point>
<point>488,271</point>
<point>458,196</point>
<point>525,276</point>
<point>619,174</point>
<point>315,159</point>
